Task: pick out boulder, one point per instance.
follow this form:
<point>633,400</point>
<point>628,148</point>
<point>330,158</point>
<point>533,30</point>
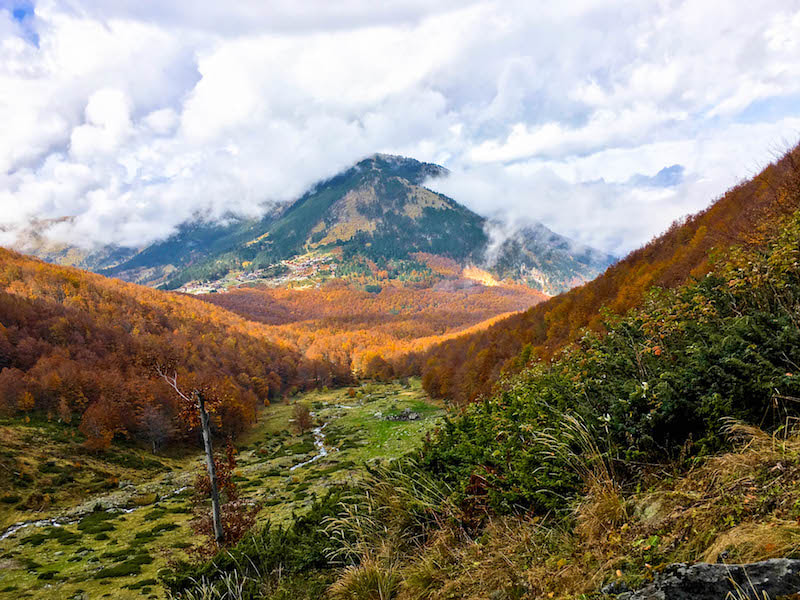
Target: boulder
<point>406,415</point>
<point>774,578</point>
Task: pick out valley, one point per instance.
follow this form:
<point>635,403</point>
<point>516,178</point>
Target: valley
<point>414,427</point>
<point>118,518</point>
<point>399,301</point>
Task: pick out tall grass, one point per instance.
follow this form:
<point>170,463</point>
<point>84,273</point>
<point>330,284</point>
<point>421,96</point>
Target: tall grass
<point>230,586</point>
<point>400,506</point>
<point>581,449</point>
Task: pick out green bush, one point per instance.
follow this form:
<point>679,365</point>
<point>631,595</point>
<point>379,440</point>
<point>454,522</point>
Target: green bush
<point>655,387</point>
<point>297,552</point>
<point>97,521</point>
<point>132,566</point>
<point>58,534</point>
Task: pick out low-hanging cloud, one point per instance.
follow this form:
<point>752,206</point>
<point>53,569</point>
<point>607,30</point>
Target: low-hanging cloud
<point>134,117</point>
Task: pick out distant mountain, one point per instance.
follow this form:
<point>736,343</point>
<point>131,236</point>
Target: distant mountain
<point>544,260</point>
<point>375,217</point>
<point>34,239</point>
<point>195,243</point>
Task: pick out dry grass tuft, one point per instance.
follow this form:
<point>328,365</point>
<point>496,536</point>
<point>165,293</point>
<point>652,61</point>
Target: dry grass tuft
<point>369,580</point>
<point>752,542</point>
<point>603,510</point>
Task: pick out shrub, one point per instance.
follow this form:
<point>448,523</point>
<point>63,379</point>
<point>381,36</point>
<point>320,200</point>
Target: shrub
<point>298,550</point>
<point>654,388</point>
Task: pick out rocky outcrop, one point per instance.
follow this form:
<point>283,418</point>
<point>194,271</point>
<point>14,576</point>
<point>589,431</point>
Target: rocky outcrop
<point>406,415</point>
<point>773,579</point>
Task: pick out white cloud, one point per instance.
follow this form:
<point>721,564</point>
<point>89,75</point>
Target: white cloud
<point>107,125</point>
<point>133,117</point>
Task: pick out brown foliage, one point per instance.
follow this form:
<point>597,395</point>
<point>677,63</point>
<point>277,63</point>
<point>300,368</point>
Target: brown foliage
<point>468,366</point>
<point>302,418</point>
<point>79,345</point>
<point>238,516</point>
<point>371,334</point>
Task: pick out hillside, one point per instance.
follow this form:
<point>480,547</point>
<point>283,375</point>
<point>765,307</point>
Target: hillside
<point>345,324</point>
<point>78,347</point>
<point>465,368</point>
<point>373,217</point>
<point>671,437</point>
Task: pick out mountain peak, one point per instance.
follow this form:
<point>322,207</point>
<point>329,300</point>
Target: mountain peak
<point>375,217</point>
<point>415,171</point>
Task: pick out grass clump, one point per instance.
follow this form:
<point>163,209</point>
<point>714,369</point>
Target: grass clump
<point>369,580</point>
<point>58,534</point>
<point>97,521</point>
<point>132,566</point>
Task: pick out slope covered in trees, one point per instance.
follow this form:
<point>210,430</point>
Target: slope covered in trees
<point>344,324</point>
<point>79,347</point>
<point>670,437</point>
<point>467,367</point>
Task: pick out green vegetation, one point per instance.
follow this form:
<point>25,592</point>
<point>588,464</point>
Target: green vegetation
<point>294,560</point>
<point>124,553</point>
<point>51,469</point>
<point>654,388</point>
<point>669,438</point>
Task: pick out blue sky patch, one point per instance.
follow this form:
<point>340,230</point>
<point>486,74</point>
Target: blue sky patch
<point>24,14</point>
<point>665,178</point>
<point>770,109</point>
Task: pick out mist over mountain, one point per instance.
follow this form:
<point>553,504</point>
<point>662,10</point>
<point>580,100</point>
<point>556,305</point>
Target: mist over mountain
<point>378,212</point>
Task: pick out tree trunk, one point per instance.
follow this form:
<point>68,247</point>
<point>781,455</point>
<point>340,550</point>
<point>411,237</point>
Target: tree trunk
<point>216,516</point>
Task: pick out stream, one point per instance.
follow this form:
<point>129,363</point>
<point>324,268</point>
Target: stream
<point>78,514</point>
<point>319,440</point>
<point>319,444</point>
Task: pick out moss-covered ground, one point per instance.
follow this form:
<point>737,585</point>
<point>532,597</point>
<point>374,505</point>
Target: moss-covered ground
<point>118,553</point>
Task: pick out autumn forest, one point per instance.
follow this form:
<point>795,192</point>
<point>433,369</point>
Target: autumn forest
<point>81,348</point>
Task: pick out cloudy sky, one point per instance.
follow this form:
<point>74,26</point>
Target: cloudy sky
<point>606,119</point>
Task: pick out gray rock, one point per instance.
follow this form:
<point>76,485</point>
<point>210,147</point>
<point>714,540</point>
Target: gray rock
<point>615,588</point>
<point>703,581</point>
<point>406,415</point>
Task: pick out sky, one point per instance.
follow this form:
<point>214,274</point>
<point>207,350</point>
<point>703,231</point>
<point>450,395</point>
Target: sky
<point>605,120</point>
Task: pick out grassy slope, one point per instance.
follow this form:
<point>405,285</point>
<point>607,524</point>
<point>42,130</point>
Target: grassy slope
<point>60,562</point>
<point>742,506</point>
<point>49,469</point>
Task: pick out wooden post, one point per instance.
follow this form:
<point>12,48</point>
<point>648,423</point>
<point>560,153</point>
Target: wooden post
<point>216,516</point>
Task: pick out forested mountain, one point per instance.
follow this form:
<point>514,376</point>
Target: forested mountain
<point>81,347</point>
<point>375,214</point>
<point>467,367</point>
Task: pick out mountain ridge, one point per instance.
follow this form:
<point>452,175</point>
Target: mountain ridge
<point>374,216</point>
